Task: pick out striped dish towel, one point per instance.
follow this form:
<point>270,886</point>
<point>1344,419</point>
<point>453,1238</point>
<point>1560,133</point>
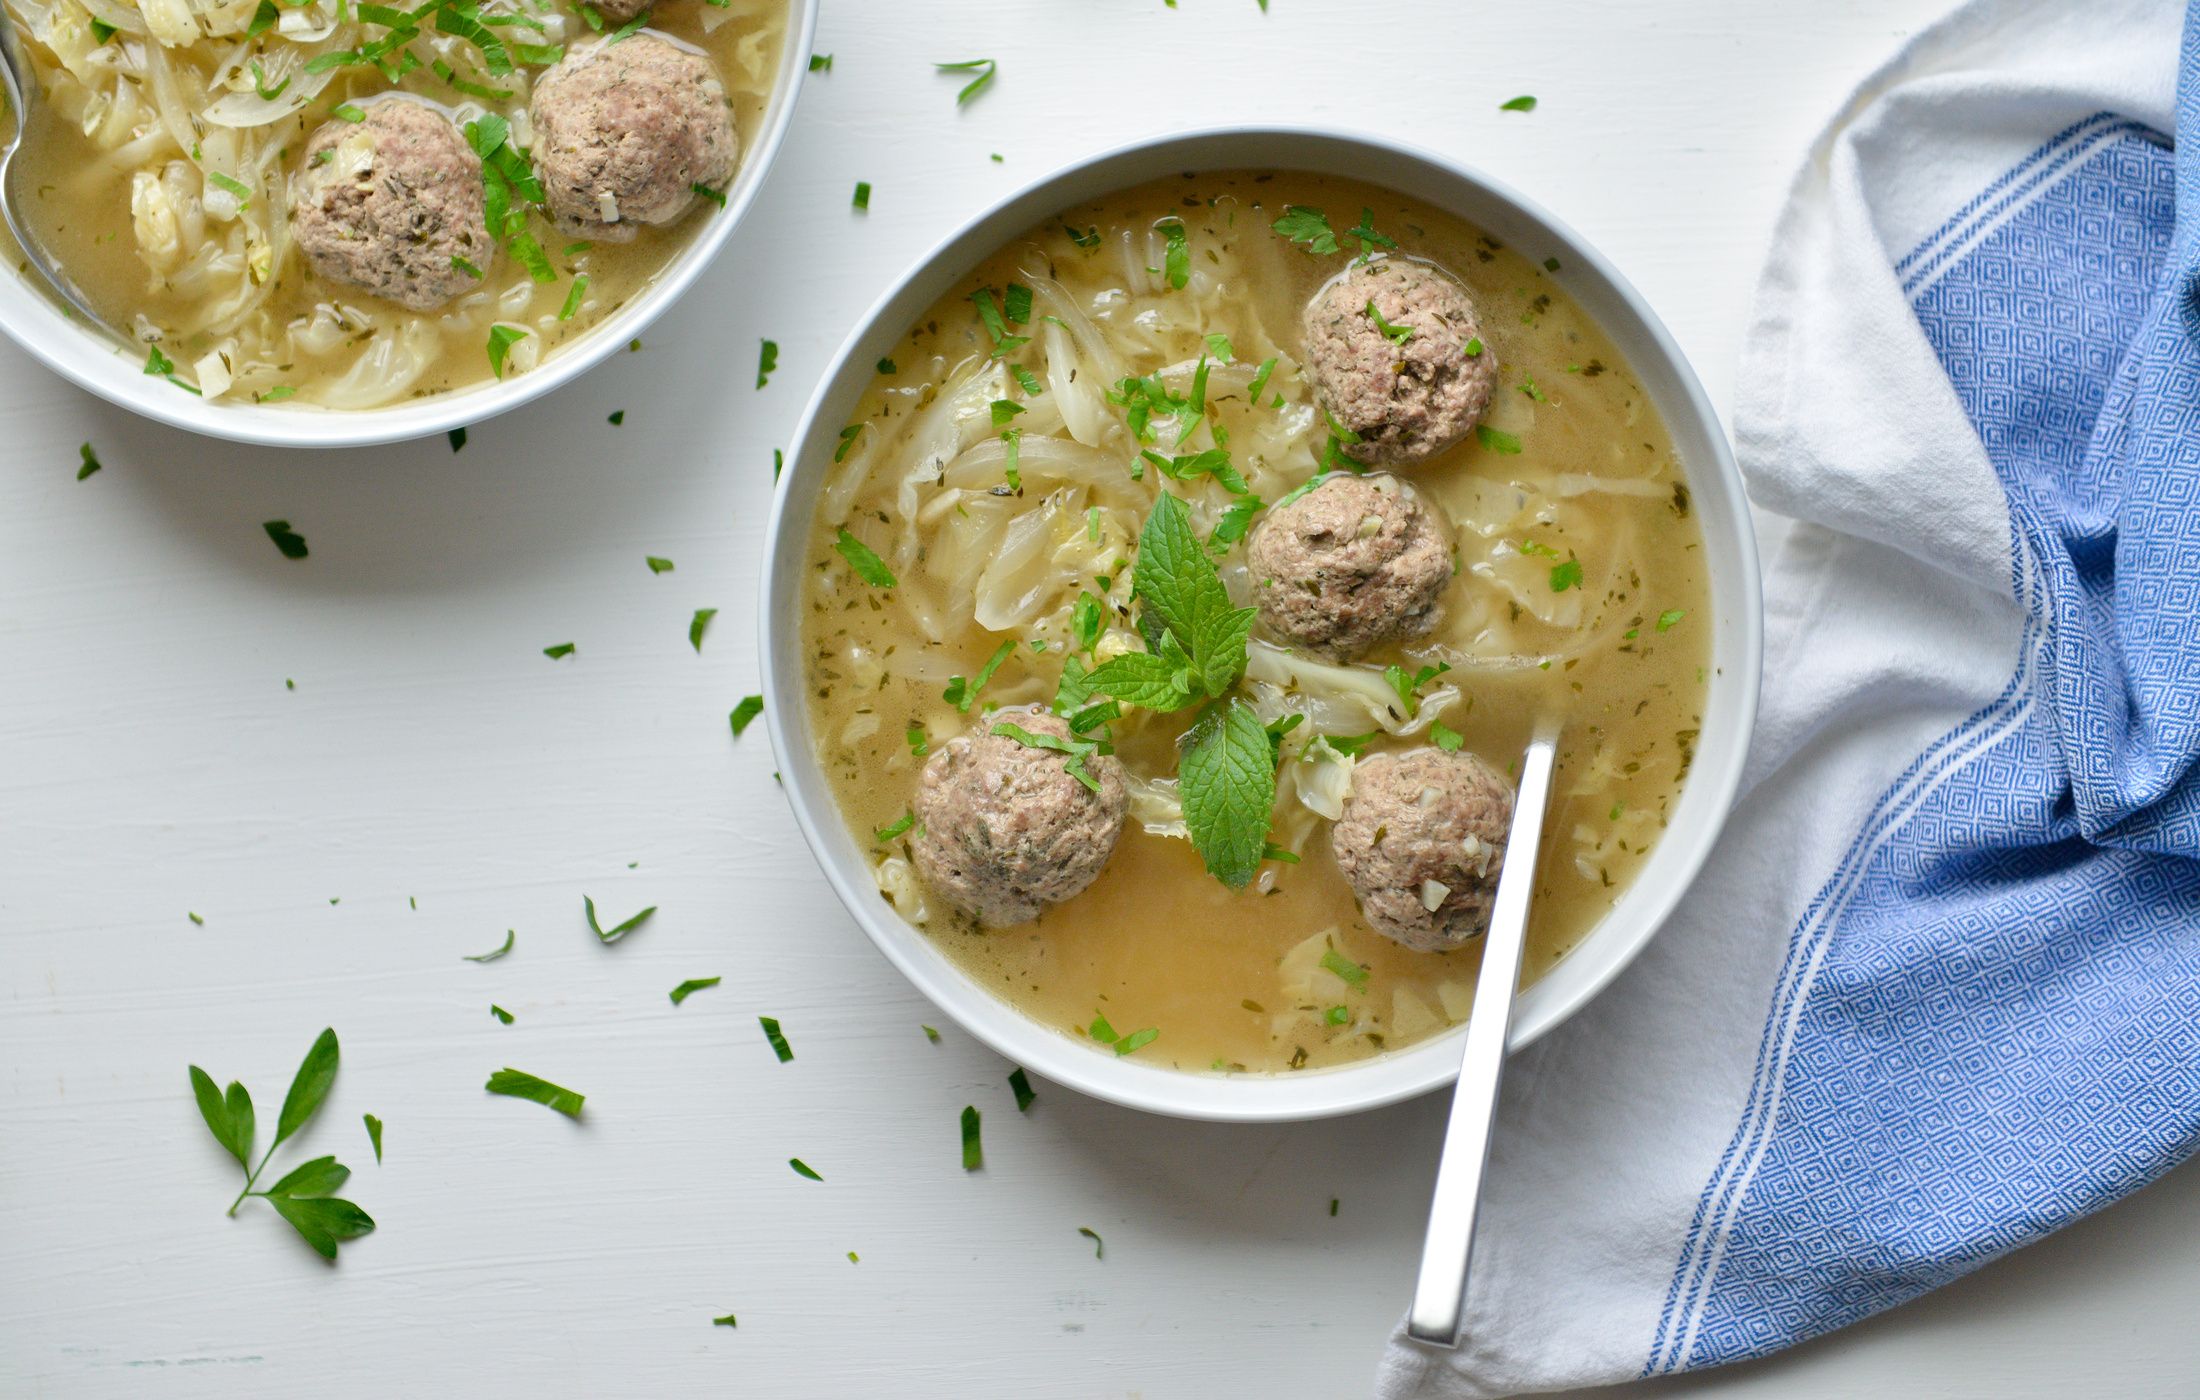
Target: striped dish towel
<point>1938,992</point>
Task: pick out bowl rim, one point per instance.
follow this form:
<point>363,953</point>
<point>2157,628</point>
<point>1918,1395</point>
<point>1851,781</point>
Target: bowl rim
<point>1714,778</point>
<point>32,319</point>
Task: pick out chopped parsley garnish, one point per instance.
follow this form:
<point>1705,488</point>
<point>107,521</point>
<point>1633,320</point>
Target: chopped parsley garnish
<point>983,67</point>
<point>1671,617</point>
<point>616,931</point>
<point>459,264</point>
<point>1550,264</point>
<point>1260,379</point>
<point>374,1135</point>
<point>821,63</point>
<point>511,936</point>
<point>1528,386</point>
<point>1445,738</point>
<point>1090,238</point>
<point>973,1150</point>
<point>87,461</point>
<point>1020,1085</point>
<point>194,918</point>
<point>558,652</point>
<point>1500,442</point>
<point>1396,335</point>
<point>767,360</point>
<point>457,438</point>
<point>863,195</point>
<point>1077,750</point>
<point>157,363</point>
<point>996,321</point>
<point>745,713</point>
<point>1369,239</point>
<point>729,1320</point>
<point>501,1014</point>
<point>288,541</point>
<point>691,986</point>
<point>886,366</point>
<point>259,77</point>
<point>697,625</point>
<point>1099,1250</point>
<point>1176,261</point>
<point>658,564</point>
<point>1005,409</point>
<point>1565,574</point>
<point>102,31</point>
<point>772,1033</point>
<point>1337,1015</point>
<point>501,340</point>
<point>345,111</point>
<point>303,1196</point>
<point>963,694</point>
<point>848,436</point>
<point>867,565</point>
<point>889,832</point>
<point>278,393</point>
<point>919,743</point>
<point>1308,227</point>
<point>1136,1040</point>
<point>930,1034</point>
<point>519,1084</point>
<point>1031,386</point>
<point>1344,967</point>
<point>803,1169</point>
<point>574,295</point>
<point>1518,104</point>
<point>1218,345</point>
<point>1406,684</point>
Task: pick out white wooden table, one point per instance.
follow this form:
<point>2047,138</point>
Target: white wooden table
<point>153,762</point>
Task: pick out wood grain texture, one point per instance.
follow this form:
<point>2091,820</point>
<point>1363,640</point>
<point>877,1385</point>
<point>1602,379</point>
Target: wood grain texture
<point>152,762</point>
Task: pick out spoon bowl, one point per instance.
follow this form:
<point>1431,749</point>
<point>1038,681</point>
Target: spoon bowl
<point>28,107</point>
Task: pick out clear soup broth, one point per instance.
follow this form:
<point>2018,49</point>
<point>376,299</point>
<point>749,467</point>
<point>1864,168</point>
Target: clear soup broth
<point>1575,470</point>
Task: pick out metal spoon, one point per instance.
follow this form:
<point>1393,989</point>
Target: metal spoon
<point>1439,1297</point>
<point>28,104</point>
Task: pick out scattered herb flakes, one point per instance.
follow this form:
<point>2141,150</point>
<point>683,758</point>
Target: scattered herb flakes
<point>862,199</point>
<point>1308,227</point>
<point>194,918</point>
<point>1344,967</point>
<point>1369,239</point>
<point>657,564</point>
<point>558,652</point>
<point>1519,104</point>
<point>87,461</point>
<point>691,986</point>
<point>779,462</point>
<point>574,297</point>
<point>1176,260</point>
<point>458,438</point>
<point>290,542</point>
<point>847,442</point>
<point>930,1034</point>
<point>777,1037</point>
<point>854,1258</point>
<point>1565,574</point>
<point>1337,1015</point>
<point>1099,1248</point>
<point>983,67</point>
<point>1550,264</point>
<point>889,832</point>
<point>697,625</point>
<point>745,713</point>
<point>518,1084</point>
<point>717,197</point>
<point>1444,737</point>
<point>867,565</point>
<point>1101,1031</point>
<point>973,1150</point>
<point>289,684</point>
<point>767,360</point>
<point>1500,442</point>
<point>821,63</point>
<point>616,417</point>
<point>500,1013</point>
<point>887,366</point>
<point>1407,684</point>
<point>1020,1084</point>
<point>1670,618</point>
<point>803,1169</point>
<point>374,1135</point>
<point>729,1320</point>
<point>1396,335</point>
<point>963,694</point>
<point>1474,347</point>
<point>617,931</point>
<point>1137,1040</point>
<point>501,340</point>
<point>302,1197</point>
<point>1332,1207</point>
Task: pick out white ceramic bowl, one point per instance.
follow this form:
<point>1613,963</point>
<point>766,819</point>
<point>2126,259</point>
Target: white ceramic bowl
<point>32,319</point>
<point>1722,512</point>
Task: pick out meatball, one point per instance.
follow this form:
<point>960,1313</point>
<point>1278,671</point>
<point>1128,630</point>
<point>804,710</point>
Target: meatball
<point>1005,828</point>
<point>620,11</point>
<point>1351,563</point>
<point>393,204</point>
<point>1421,841</point>
<point>624,132</point>
<point>1405,401</point>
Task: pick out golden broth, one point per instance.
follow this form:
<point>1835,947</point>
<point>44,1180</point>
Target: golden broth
<point>120,169</point>
<point>1233,980</point>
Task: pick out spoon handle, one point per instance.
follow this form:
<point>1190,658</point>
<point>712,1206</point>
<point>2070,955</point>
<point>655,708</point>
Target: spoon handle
<point>1439,1297</point>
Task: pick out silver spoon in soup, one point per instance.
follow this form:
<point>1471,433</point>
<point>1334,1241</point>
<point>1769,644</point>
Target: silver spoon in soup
<point>30,112</point>
<point>1439,1297</point>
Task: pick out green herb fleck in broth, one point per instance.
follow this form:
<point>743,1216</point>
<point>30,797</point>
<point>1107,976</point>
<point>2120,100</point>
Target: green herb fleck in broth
<point>867,565</point>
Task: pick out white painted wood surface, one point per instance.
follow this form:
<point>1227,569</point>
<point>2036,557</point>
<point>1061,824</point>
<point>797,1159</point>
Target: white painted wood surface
<point>152,763</point>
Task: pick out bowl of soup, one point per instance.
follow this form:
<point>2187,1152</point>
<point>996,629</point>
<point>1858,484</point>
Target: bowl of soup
<point>1167,579</point>
<point>326,223</point>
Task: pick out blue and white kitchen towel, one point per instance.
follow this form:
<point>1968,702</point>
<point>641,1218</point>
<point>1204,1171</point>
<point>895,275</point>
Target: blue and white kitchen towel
<point>1938,992</point>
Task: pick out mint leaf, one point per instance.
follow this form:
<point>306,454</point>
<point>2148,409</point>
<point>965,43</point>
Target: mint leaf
<point>1175,579</point>
<point>1220,647</point>
<point>1227,782</point>
<point>519,1084</point>
<point>1137,678</point>
<point>308,1088</point>
<point>323,1222</point>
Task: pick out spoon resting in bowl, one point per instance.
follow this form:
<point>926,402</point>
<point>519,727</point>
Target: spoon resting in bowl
<point>1439,1297</point>
<point>27,107</point>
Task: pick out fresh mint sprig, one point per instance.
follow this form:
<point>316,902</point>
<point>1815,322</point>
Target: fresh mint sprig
<point>303,1195</point>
